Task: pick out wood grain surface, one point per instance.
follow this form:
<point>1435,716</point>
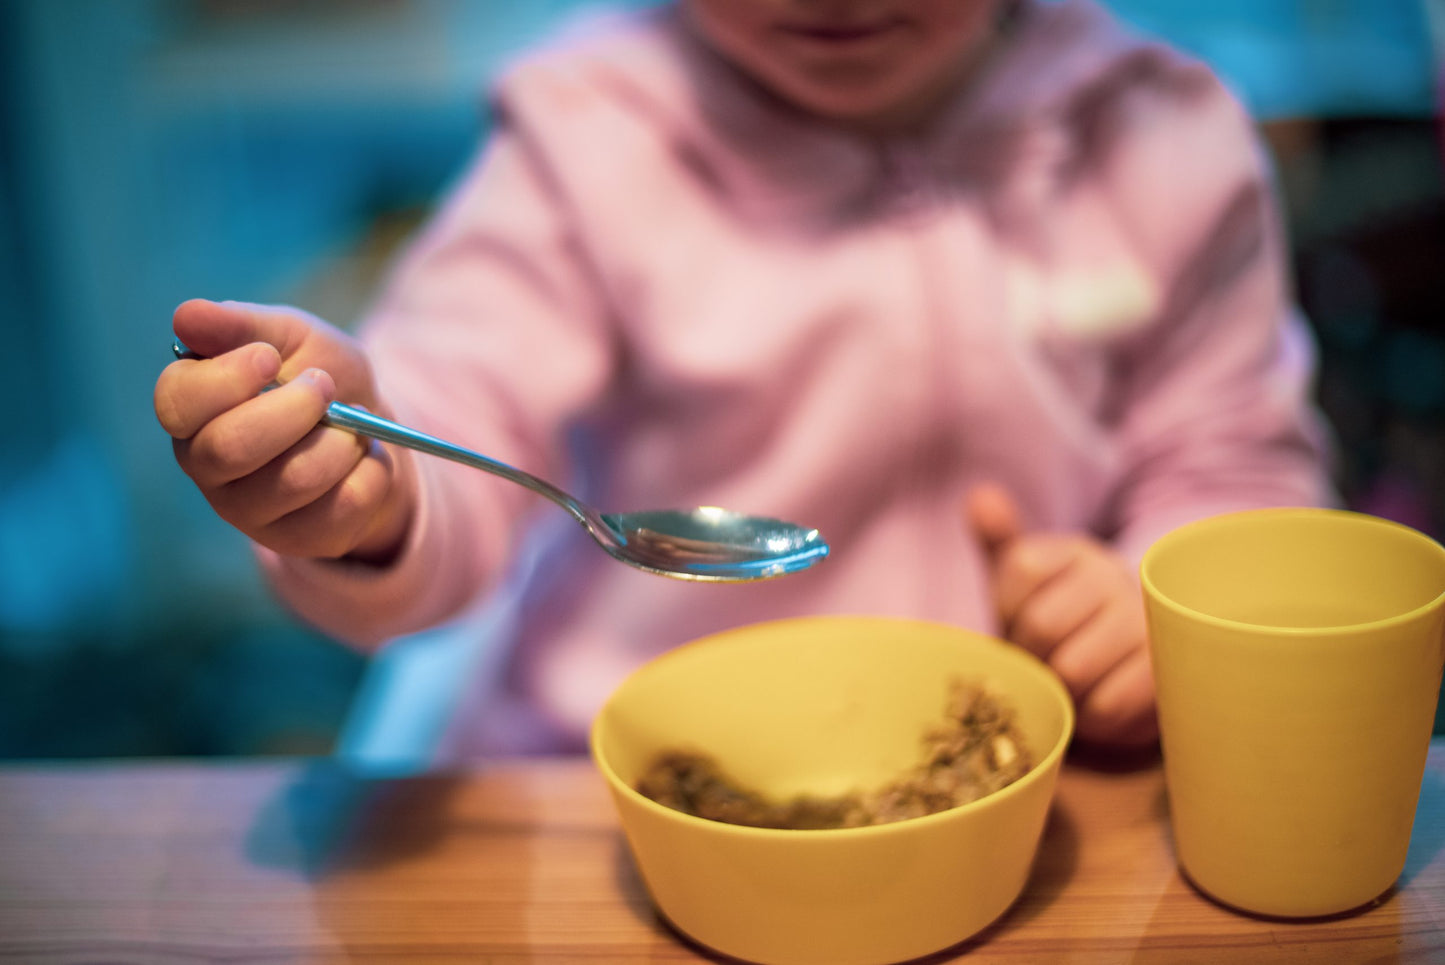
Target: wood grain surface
<point>302,861</point>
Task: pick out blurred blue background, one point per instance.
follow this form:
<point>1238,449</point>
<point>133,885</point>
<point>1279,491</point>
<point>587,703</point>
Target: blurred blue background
<point>280,150</point>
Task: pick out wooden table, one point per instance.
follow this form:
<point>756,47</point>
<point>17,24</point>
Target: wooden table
<point>302,861</point>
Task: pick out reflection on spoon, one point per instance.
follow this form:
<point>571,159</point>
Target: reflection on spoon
<point>713,542</point>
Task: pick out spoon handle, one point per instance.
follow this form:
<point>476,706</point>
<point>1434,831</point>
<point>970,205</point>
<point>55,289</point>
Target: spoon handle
<point>361,422</point>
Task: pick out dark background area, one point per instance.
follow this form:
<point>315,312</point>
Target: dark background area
<point>280,150</point>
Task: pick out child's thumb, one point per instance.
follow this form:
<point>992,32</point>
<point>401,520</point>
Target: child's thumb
<point>993,514</point>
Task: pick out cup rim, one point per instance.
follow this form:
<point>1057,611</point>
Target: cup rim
<point>1047,763</point>
<point>1153,591</point>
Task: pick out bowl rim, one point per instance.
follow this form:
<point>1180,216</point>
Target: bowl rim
<point>1046,764</point>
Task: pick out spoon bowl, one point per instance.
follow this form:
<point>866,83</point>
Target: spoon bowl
<point>705,544</point>
<point>712,544</point>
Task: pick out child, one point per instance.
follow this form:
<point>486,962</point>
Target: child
<point>992,293</point>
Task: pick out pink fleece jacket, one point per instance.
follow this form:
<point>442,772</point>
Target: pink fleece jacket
<point>659,287</point>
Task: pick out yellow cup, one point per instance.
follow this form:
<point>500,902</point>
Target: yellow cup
<point>1297,655</point>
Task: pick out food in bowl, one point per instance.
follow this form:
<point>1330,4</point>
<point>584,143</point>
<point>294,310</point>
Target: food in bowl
<point>977,750</point>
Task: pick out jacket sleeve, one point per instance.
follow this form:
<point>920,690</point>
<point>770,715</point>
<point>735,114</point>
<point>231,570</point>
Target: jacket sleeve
<point>490,334</point>
<point>1213,406</point>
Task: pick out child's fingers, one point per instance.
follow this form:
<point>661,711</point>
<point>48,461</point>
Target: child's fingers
<point>1121,709</point>
<point>243,439</point>
<point>332,524</point>
<point>191,392</point>
<point>993,514</point>
<point>1054,612</point>
<point>298,477</point>
<point>1019,568</point>
<point>1022,568</point>
<point>1095,649</point>
<point>211,329</point>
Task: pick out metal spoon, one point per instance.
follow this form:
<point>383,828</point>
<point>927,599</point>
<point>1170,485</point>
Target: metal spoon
<point>704,544</point>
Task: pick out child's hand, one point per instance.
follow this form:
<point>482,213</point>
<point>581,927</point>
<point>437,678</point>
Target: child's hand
<point>1074,602</point>
<point>262,460</point>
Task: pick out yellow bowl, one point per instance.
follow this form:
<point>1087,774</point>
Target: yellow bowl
<point>828,705</point>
